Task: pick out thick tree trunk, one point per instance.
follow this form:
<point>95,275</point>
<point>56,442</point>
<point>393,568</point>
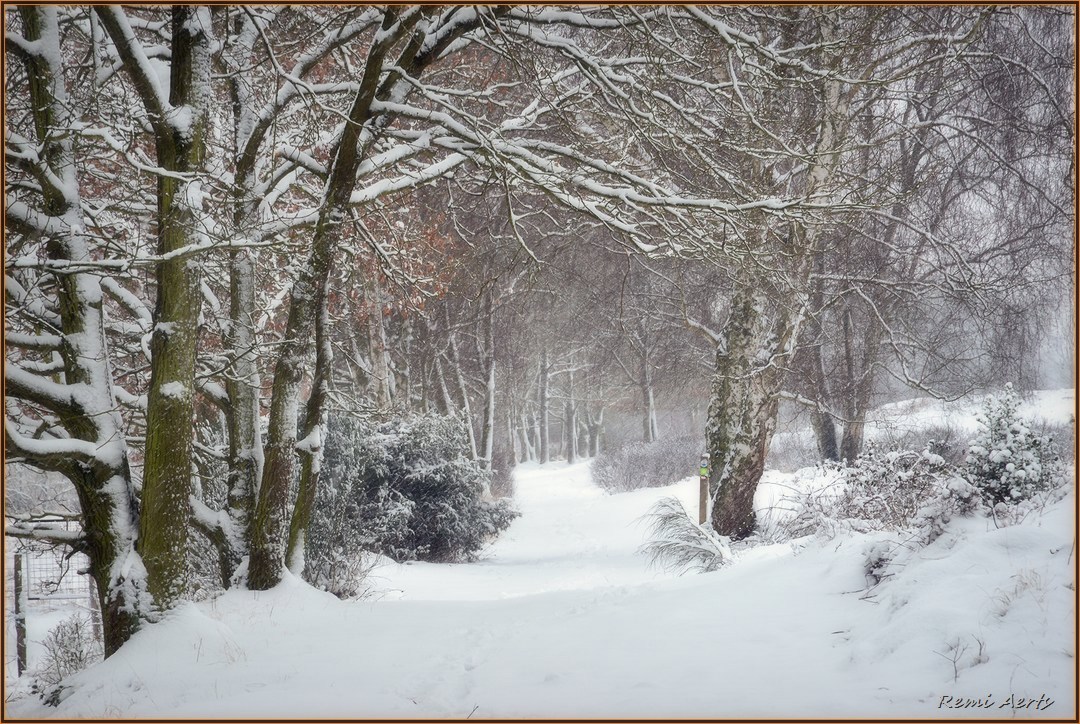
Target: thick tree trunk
<point>749,362</point>
<point>270,531</point>
<point>245,453</point>
<point>742,411</point>
<point>242,383</point>
<point>168,469</point>
<point>89,413</point>
<point>824,427</point>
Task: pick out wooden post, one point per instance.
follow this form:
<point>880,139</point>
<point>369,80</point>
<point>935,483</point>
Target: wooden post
<point>703,489</point>
<point>20,616</point>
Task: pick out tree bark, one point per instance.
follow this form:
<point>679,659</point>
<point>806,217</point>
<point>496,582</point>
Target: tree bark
<point>314,433</point>
<point>650,429</point>
<point>487,434</point>
<point>308,299</point>
<point>742,410</point>
<point>377,346</point>
<point>544,413</point>
<point>168,471</point>
<point>102,481</point>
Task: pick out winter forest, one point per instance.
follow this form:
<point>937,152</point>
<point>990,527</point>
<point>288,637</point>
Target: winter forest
<point>523,361</point>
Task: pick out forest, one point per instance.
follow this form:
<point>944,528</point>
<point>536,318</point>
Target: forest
<point>251,250</point>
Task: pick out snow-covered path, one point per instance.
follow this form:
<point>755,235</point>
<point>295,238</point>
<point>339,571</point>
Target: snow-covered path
<point>563,618</point>
<point>570,536</point>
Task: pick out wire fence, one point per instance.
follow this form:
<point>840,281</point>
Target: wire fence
<point>47,579</point>
<point>53,575</point>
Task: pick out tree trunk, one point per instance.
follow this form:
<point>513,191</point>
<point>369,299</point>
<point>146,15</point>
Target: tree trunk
<point>595,426</point>
<point>463,390</point>
<point>821,420</point>
<point>307,301</point>
<point>570,422</point>
<point>747,383</point>
<point>168,469</point>
<point>860,386</point>
<point>311,447</point>
<point>528,437</point>
<point>271,526</point>
<point>440,374</point>
<point>650,429</point>
<point>824,427</point>
<point>89,411</point>
<point>377,347</point>
<point>570,432</point>
<point>742,411</point>
<point>544,413</point>
<point>243,383</point>
<point>487,434</point>
<point>516,452</point>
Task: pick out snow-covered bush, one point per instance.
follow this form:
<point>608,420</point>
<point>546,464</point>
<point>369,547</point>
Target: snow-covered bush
<point>69,647</point>
<point>1007,461</point>
<point>404,488</point>
<point>942,439</point>
<point>647,465</point>
<point>886,491</point>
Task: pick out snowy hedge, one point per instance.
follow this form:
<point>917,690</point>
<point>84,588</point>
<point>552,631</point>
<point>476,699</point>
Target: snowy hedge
<point>404,488</point>
<point>885,490</point>
<point>648,465</point>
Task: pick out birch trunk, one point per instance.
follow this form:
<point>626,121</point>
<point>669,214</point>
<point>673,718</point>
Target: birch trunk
<point>742,411</point>
<point>750,359</point>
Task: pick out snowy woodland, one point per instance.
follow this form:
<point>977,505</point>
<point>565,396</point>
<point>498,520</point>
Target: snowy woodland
<point>366,356</point>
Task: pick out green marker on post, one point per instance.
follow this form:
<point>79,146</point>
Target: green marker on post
<point>703,488</point>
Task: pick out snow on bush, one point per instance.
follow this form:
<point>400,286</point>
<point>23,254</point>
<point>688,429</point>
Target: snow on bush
<point>647,465</point>
<point>883,490</point>
<point>1007,461</point>
<point>69,647</point>
<point>404,488</point>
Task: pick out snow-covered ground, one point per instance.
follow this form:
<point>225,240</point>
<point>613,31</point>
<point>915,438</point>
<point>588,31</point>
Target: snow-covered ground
<point>562,617</point>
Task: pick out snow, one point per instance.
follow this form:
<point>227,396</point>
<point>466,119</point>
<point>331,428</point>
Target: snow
<point>173,389</point>
<point>562,617</point>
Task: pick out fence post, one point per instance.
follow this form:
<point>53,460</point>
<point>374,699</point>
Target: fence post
<point>703,489</point>
<point>20,616</point>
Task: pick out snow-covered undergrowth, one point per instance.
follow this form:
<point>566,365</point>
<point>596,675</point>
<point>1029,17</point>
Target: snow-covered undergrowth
<point>911,422</point>
<point>562,617</point>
